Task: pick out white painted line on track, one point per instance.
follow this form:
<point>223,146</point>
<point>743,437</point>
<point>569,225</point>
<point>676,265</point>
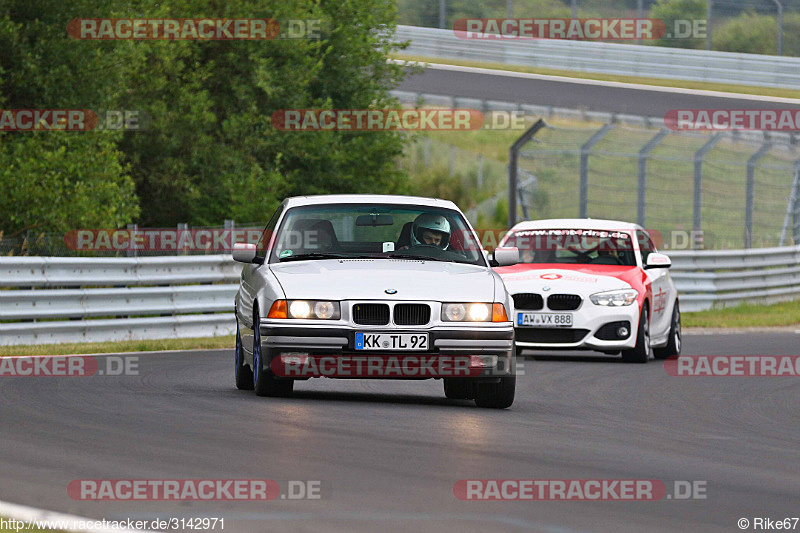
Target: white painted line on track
<point>26,514</point>
<point>602,83</point>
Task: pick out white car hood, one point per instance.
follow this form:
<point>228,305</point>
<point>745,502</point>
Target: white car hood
<point>369,279</point>
<point>561,281</point>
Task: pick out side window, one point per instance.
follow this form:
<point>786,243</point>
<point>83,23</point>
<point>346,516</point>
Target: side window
<point>266,237</point>
<point>645,244</point>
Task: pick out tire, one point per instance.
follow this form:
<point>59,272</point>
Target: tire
<point>675,342</point>
<point>641,352</point>
<point>243,373</point>
<point>264,381</point>
<point>456,388</point>
<point>496,395</point>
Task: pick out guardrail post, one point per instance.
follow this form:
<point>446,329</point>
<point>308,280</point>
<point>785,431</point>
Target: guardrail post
<point>585,149</point>
<point>748,211</point>
<point>513,158</point>
<point>698,179</point>
<point>643,153</point>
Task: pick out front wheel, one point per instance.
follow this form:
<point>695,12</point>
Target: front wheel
<point>496,395</point>
<point>641,352</point>
<point>264,381</point>
<point>243,373</point>
<point>673,346</point>
<point>458,388</point>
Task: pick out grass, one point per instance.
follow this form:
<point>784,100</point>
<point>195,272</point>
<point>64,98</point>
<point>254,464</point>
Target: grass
<point>660,82</point>
<point>207,343</point>
<point>745,316</point>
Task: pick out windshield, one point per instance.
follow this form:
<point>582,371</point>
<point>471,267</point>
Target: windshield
<point>573,246</point>
<point>376,231</point>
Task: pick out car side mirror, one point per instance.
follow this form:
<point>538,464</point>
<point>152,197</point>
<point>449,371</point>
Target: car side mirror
<point>505,256</point>
<point>656,260</point>
<point>244,252</point>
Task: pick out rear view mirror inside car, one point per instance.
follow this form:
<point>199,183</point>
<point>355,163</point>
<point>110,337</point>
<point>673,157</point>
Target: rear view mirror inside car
<point>374,219</point>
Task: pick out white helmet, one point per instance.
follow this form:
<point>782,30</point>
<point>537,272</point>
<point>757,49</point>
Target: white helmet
<point>430,222</point>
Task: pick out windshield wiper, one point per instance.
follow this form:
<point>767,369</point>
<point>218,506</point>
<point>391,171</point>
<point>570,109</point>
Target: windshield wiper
<point>315,255</point>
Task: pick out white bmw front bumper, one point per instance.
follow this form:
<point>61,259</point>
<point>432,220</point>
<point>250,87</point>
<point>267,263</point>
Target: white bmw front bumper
<point>594,327</point>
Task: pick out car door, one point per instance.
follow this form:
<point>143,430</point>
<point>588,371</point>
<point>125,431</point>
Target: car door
<point>660,286</point>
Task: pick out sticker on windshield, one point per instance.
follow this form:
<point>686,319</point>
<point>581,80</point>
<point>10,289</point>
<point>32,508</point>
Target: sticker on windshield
<point>286,253</point>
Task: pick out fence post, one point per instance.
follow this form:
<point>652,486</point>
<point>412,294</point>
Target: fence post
<point>748,210</point>
<point>584,186</point>
<point>643,154</point>
<point>132,250</point>
<point>698,179</point>
<point>513,157</point>
<point>182,226</point>
<point>793,208</point>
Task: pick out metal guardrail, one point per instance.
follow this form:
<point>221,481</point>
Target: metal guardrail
<point>722,278</point>
<point>59,300</point>
<point>608,58</point>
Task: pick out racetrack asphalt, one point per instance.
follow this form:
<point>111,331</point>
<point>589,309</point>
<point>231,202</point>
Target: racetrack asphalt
<point>571,93</point>
<point>388,453</point>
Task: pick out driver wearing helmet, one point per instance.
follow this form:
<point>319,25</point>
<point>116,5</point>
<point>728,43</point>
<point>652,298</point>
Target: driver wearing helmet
<point>430,229</point>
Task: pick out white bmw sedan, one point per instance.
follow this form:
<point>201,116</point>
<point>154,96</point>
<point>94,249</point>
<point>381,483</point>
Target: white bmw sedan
<point>374,286</point>
<point>584,284</point>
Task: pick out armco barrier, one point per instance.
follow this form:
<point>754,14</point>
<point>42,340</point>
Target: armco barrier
<point>608,58</point>
<point>723,278</point>
<point>47,300</point>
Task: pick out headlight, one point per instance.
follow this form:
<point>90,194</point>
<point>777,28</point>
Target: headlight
<point>615,298</point>
<point>475,312</point>
<point>311,309</point>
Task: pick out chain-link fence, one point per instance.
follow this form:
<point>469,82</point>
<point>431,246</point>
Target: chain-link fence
<point>735,194</point>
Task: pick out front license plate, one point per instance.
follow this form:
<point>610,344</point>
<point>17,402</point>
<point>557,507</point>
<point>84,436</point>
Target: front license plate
<point>391,341</point>
<point>545,320</point>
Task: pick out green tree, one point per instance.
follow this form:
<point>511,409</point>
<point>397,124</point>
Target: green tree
<point>209,151</point>
<point>758,34</point>
<point>56,181</point>
<point>671,10</point>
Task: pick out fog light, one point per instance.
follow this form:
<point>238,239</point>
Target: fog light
<point>482,361</point>
<point>622,332</point>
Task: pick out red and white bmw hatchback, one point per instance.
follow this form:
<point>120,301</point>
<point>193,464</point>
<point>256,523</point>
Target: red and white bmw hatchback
<point>586,284</point>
